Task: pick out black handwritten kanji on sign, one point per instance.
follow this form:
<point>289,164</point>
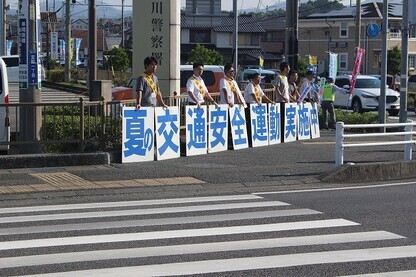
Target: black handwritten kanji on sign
<point>157,7</point>
<point>158,56</point>
<point>157,41</point>
<point>157,24</point>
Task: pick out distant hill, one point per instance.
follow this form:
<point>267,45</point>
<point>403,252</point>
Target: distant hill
<point>80,10</point>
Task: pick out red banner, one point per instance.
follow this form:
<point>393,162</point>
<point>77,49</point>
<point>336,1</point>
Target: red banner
<point>357,65</point>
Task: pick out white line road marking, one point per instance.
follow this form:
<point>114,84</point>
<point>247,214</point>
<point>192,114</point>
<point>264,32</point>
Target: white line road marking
<point>335,189</point>
<point>127,203</point>
<point>186,233</point>
<point>154,222</point>
<point>151,211</point>
<point>238,264</point>
<point>170,250</point>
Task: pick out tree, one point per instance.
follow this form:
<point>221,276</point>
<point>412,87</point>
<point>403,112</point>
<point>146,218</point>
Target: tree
<point>205,55</point>
<point>119,59</point>
<point>319,6</point>
<point>394,56</point>
<point>302,66</point>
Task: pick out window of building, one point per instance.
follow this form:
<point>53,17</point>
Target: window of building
<point>412,62</point>
<point>343,61</point>
<point>246,39</point>
<point>200,36</point>
<point>270,37</point>
<point>412,33</point>
<point>255,39</point>
<point>343,30</point>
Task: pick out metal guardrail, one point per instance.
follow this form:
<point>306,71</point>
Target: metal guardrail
<point>340,145</point>
<point>80,126</point>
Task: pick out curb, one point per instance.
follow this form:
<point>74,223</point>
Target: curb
<point>378,171</point>
<point>53,160</point>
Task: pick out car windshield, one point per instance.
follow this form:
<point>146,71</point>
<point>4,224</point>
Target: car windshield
<point>367,83</point>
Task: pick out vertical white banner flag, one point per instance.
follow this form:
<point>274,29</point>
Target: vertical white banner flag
<point>238,127</point>
<point>54,46</point>
<point>196,130</point>
<point>167,133</point>
<point>138,134</point>
<point>77,46</point>
<point>62,51</point>
<point>218,128</point>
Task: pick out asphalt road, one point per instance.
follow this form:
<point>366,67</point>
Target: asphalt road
<point>335,232</point>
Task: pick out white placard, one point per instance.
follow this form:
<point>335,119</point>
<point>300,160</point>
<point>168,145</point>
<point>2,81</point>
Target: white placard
<point>218,128</point>
<point>304,121</point>
<point>238,127</point>
<point>196,130</point>
<point>259,125</point>
<point>167,133</point>
<point>275,124</point>
<point>138,135</point>
<point>315,133</point>
<point>289,126</point>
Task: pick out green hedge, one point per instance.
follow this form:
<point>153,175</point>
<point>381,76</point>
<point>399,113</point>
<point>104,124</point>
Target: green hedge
<point>58,127</point>
<point>352,118</point>
<point>56,75</point>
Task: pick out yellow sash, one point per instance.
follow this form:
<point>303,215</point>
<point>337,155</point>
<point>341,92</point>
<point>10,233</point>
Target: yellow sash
<point>199,85</point>
<point>150,81</point>
<point>256,92</point>
<point>231,85</point>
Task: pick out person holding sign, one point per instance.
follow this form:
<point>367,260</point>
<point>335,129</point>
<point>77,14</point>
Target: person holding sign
<point>306,88</point>
<point>281,85</point>
<point>196,88</point>
<point>230,93</point>
<point>148,91</point>
<point>254,94</point>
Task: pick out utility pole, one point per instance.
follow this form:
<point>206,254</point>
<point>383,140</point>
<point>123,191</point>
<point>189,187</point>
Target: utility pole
<point>404,62</point>
<point>30,120</point>
<point>92,42</point>
<point>68,42</point>
<point>235,33</point>
<point>3,45</point>
<point>358,24</point>
<point>291,40</point>
<point>382,99</point>
<point>47,36</point>
<point>122,25</point>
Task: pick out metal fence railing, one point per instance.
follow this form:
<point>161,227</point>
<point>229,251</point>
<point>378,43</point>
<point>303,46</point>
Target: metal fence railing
<point>76,126</point>
<point>407,139</point>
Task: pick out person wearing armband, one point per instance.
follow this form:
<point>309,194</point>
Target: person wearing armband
<point>327,105</point>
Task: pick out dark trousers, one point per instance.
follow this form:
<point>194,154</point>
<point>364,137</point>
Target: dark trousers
<point>328,106</point>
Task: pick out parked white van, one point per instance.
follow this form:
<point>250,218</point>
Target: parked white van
<point>12,65</point>
<point>4,111</point>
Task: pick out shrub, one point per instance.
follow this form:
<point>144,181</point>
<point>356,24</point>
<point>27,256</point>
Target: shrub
<point>56,75</point>
<point>67,127</point>
<point>352,118</point>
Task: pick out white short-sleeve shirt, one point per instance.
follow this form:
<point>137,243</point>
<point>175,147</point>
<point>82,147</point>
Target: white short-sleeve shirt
<point>191,87</point>
<point>250,91</point>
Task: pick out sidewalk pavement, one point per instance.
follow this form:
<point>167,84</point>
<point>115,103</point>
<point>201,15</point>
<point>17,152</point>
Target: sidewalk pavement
<point>300,163</point>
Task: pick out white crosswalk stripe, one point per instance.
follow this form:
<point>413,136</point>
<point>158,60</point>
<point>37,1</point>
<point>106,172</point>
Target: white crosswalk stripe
<point>185,236</point>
